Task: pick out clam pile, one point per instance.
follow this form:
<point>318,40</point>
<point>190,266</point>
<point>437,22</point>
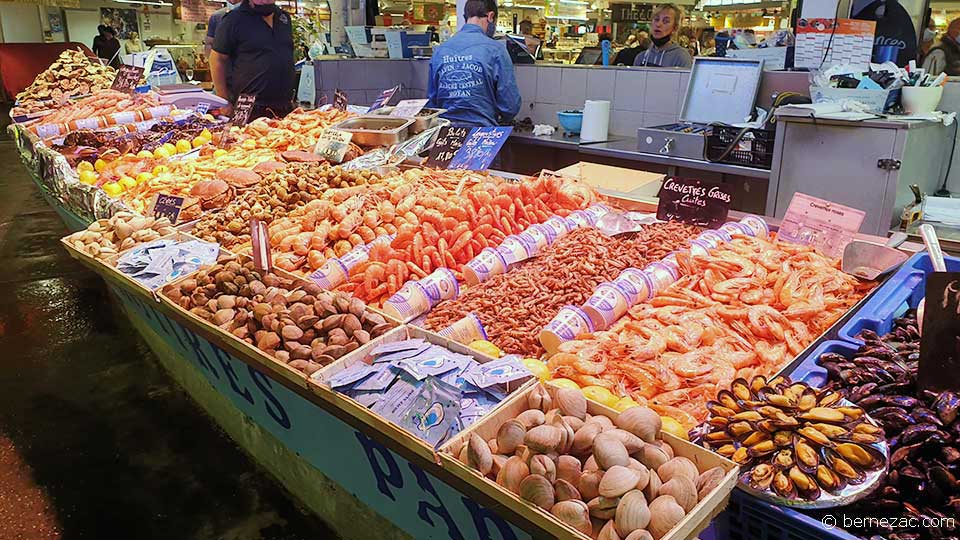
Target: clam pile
<point>922,429</point>
<point>105,238</point>
<point>792,440</point>
<point>607,478</point>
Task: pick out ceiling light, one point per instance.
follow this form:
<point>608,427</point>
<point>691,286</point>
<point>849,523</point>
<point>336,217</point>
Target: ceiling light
<point>572,18</point>
<point>144,2</point>
<point>574,2</point>
<point>528,6</point>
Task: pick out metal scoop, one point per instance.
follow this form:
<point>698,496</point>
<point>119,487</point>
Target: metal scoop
<point>936,260</point>
<point>869,261</point>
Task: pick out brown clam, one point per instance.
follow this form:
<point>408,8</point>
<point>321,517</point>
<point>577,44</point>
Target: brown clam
<point>537,490</point>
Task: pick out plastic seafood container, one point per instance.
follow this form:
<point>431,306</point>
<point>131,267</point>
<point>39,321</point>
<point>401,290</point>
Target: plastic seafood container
<point>902,291</point>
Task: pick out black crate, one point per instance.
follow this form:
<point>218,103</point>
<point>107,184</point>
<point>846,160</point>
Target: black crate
<point>754,149</point>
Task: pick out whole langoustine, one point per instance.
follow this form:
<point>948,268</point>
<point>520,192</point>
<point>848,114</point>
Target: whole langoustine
<point>745,309</point>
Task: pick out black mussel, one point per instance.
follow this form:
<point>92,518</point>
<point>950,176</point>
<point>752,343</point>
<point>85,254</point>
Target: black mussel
<point>950,454</point>
<point>807,457</point>
<point>916,432</point>
<point>783,459</point>
<point>727,399</point>
<point>832,431</point>
<point>909,479</point>
<point>893,419</point>
<point>762,449</point>
<point>738,430</point>
<point>783,485</point>
<point>947,406</point>
<point>954,504</point>
<point>805,484</point>
<point>859,455</point>
<point>756,437</point>
<point>823,414</point>
<point>782,439</point>
<point>923,415</point>
<point>900,387</point>
<point>741,389</point>
<point>757,383</point>
<point>815,436</point>
<point>944,478</point>
<point>760,477</point>
<point>858,393</point>
<point>903,453</point>
<point>716,409</point>
<point>828,479</point>
<point>843,467</point>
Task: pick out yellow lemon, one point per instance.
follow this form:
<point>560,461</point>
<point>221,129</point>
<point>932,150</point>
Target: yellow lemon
<point>565,383</point>
<point>486,348</point>
<point>170,147</point>
<point>99,165</point>
<point>537,367</point>
<point>209,118</point>
<point>144,177</point>
<point>600,395</point>
<point>206,134</point>
<point>161,153</point>
<point>126,182</point>
<point>84,166</point>
<point>199,141</point>
<point>89,177</point>
<point>183,146</point>
<point>219,152</point>
<point>673,427</point>
<point>160,169</point>
<point>144,154</point>
<point>624,404</point>
<point>112,189</point>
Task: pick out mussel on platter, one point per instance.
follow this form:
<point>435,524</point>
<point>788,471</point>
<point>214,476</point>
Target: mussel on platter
<point>792,440</point>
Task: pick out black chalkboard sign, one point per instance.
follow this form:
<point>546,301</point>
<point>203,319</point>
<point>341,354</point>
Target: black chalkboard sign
<point>168,206</point>
<point>697,202</point>
<point>242,109</point>
<point>449,141</point>
<point>480,148</point>
<point>939,367</point>
<point>128,78</point>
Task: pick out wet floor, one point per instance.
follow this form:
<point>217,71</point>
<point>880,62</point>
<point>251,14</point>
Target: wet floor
<point>96,440</point>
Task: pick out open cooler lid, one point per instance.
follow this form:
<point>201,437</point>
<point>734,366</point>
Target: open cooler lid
<point>721,90</point>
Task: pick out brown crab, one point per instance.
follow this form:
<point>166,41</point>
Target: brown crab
<point>206,195</point>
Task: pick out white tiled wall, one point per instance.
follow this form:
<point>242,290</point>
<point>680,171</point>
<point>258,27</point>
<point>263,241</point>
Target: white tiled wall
<point>639,97</point>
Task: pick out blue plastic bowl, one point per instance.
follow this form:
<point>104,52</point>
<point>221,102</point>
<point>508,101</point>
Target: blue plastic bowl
<point>570,121</point>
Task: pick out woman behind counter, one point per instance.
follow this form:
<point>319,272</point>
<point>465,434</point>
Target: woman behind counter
<point>664,52</point>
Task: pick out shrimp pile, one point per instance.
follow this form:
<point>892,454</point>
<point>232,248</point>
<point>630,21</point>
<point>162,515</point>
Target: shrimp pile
<point>746,309</point>
<point>449,225</point>
<point>515,306</point>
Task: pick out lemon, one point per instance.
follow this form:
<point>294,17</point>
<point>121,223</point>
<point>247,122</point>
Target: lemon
<point>219,152</point>
<point>624,404</point>
<point>673,427</point>
<point>99,165</point>
<point>183,146</point>
<point>89,177</point>
<point>126,182</point>
<point>84,166</point>
<point>144,154</point>
<point>537,367</point>
<point>249,144</point>
<point>161,153</point>
<point>144,177</point>
<point>565,383</point>
<point>199,141</point>
<point>486,348</point>
<point>600,395</point>
<point>160,169</point>
<point>209,118</point>
<point>206,134</point>
<point>171,148</point>
<point>112,189</point>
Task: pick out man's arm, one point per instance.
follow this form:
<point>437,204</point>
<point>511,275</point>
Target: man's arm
<point>508,95</point>
<point>219,63</point>
<point>935,62</point>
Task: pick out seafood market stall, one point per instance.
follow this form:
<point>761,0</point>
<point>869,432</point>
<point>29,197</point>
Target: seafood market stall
<point>449,353</point>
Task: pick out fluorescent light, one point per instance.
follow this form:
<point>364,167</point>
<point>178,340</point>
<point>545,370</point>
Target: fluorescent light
<point>144,2</point>
<point>574,2</point>
<point>528,6</point>
<point>572,18</point>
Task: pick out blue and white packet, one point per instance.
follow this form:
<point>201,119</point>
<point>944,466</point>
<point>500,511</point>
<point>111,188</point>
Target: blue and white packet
<point>396,346</point>
<point>431,362</point>
<point>500,371</point>
<point>351,375</point>
<point>433,411</point>
<point>157,263</point>
<point>384,376</point>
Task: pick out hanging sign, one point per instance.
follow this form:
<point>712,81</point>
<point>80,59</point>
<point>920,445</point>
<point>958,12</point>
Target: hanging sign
<point>384,98</point>
<point>692,201</point>
<point>408,108</point>
<point>127,79</point>
<point>339,100</point>
<point>480,148</point>
<point>449,141</point>
<point>939,367</point>
<point>821,224</point>
<point>167,206</point>
<point>333,144</point>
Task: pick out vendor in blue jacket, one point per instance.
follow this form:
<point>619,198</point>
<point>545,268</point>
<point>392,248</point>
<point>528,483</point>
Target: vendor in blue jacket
<point>471,75</point>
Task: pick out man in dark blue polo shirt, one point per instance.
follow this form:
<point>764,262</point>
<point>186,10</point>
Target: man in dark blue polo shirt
<point>254,45</point>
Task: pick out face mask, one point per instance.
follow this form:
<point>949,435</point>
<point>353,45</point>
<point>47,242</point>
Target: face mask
<point>928,35</point>
<point>660,42</point>
<point>491,28</point>
<point>262,9</point>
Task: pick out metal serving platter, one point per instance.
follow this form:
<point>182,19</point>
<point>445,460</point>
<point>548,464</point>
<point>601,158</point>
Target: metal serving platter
<point>420,122</point>
<point>376,130</point>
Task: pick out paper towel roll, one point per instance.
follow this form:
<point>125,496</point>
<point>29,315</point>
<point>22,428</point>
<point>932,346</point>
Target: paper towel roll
<point>596,120</point>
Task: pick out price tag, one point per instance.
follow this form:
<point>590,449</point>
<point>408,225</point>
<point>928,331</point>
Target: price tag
<point>260,240</point>
<point>202,108</point>
<point>168,206</point>
<point>480,148</point>
<point>449,140</point>
<point>333,144</point>
<point>408,108</point>
<point>939,367</point>
<point>242,109</point>
<point>692,201</point>
<point>384,98</point>
<point>822,224</point>
<point>128,78</point>
<point>339,100</point>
